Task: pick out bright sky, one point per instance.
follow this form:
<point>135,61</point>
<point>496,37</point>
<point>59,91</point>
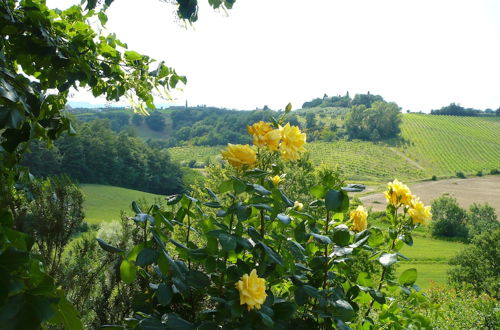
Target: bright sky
<point>421,54</point>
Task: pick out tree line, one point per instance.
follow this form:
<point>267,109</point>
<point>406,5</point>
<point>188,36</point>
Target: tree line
<point>97,154</point>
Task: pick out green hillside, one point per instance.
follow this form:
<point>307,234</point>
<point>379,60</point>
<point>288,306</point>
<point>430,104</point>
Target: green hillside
<point>105,203</point>
<point>429,145</point>
<point>444,145</point>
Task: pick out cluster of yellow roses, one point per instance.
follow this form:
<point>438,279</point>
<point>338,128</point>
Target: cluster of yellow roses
<point>288,140</point>
<point>398,195</point>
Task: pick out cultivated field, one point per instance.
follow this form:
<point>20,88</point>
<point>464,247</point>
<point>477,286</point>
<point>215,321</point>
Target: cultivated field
<point>430,145</point>
<point>444,145</point>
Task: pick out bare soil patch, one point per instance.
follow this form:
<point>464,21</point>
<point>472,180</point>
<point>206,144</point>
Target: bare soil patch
<point>466,191</point>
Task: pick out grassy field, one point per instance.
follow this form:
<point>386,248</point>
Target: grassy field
<point>430,257</point>
<point>105,203</point>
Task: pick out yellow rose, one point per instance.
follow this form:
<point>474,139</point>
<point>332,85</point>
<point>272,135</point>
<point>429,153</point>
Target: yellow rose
<point>398,194</point>
<point>276,180</point>
<point>358,218</point>
<point>264,135</point>
<point>252,290</point>
<point>292,142</point>
<point>298,206</point>
<point>272,139</point>
<point>239,155</point>
<point>420,213</point>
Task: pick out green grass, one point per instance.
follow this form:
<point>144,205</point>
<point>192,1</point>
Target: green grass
<point>430,257</point>
<point>104,203</point>
<point>198,153</point>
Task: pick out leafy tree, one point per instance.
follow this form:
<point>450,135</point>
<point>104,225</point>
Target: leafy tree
<point>366,99</point>
<point>43,53</point>
<point>137,119</point>
<point>477,265</point>
<point>456,110</point>
<point>448,218</point>
<point>481,219</point>
<point>156,121</point>
<point>380,121</point>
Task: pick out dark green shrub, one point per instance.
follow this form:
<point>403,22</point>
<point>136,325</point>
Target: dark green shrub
<point>460,175</point>
<point>479,173</point>
<point>477,265</point>
<point>494,171</point>
<point>481,219</point>
<point>448,218</point>
<point>434,178</point>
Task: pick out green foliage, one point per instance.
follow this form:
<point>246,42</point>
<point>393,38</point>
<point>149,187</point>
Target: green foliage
<point>477,265</point>
<point>460,309</point>
<point>460,175</point>
<point>51,212</point>
<point>194,250</point>
<point>448,218</point>
<point>156,122</point>
<point>379,120</point>
<point>99,155</point>
<point>481,219</point>
<point>457,110</point>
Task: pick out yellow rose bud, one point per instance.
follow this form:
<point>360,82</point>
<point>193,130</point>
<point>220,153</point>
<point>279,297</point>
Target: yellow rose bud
<point>276,180</point>
<point>420,213</point>
<point>298,206</point>
<point>252,290</point>
<point>358,218</point>
<point>292,142</point>
<point>239,155</point>
<point>398,194</point>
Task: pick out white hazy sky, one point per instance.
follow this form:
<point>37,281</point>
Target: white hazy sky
<point>421,54</point>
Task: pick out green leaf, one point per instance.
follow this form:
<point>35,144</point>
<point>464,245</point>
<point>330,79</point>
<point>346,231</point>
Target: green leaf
<point>174,321</point>
<point>285,219</point>
<point>275,257</point>
<point>285,199</point>
<point>146,257</point>
<point>321,238</point>
<point>136,207</point>
<point>67,315</point>
<point>238,185</point>
<point>172,199</point>
<point>336,200</point>
<point>261,190</point>
<point>228,242</point>
<point>341,235</point>
<point>377,296</point>
<point>342,310</point>
<point>376,237</point>
<point>225,186</point>
<point>408,277</point>
<point>387,259</point>
<point>131,55</point>
<point>128,271</point>
<point>318,192</point>
<point>164,294</point>
<point>266,319</point>
<point>364,279</point>
<point>107,247</point>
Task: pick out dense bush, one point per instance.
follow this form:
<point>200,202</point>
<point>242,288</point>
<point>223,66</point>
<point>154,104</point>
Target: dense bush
<point>246,255</point>
<point>477,265</point>
<point>460,308</point>
<point>460,175</point>
<point>448,219</point>
<point>481,219</point>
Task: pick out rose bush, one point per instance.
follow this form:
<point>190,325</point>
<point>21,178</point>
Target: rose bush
<point>244,254</point>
